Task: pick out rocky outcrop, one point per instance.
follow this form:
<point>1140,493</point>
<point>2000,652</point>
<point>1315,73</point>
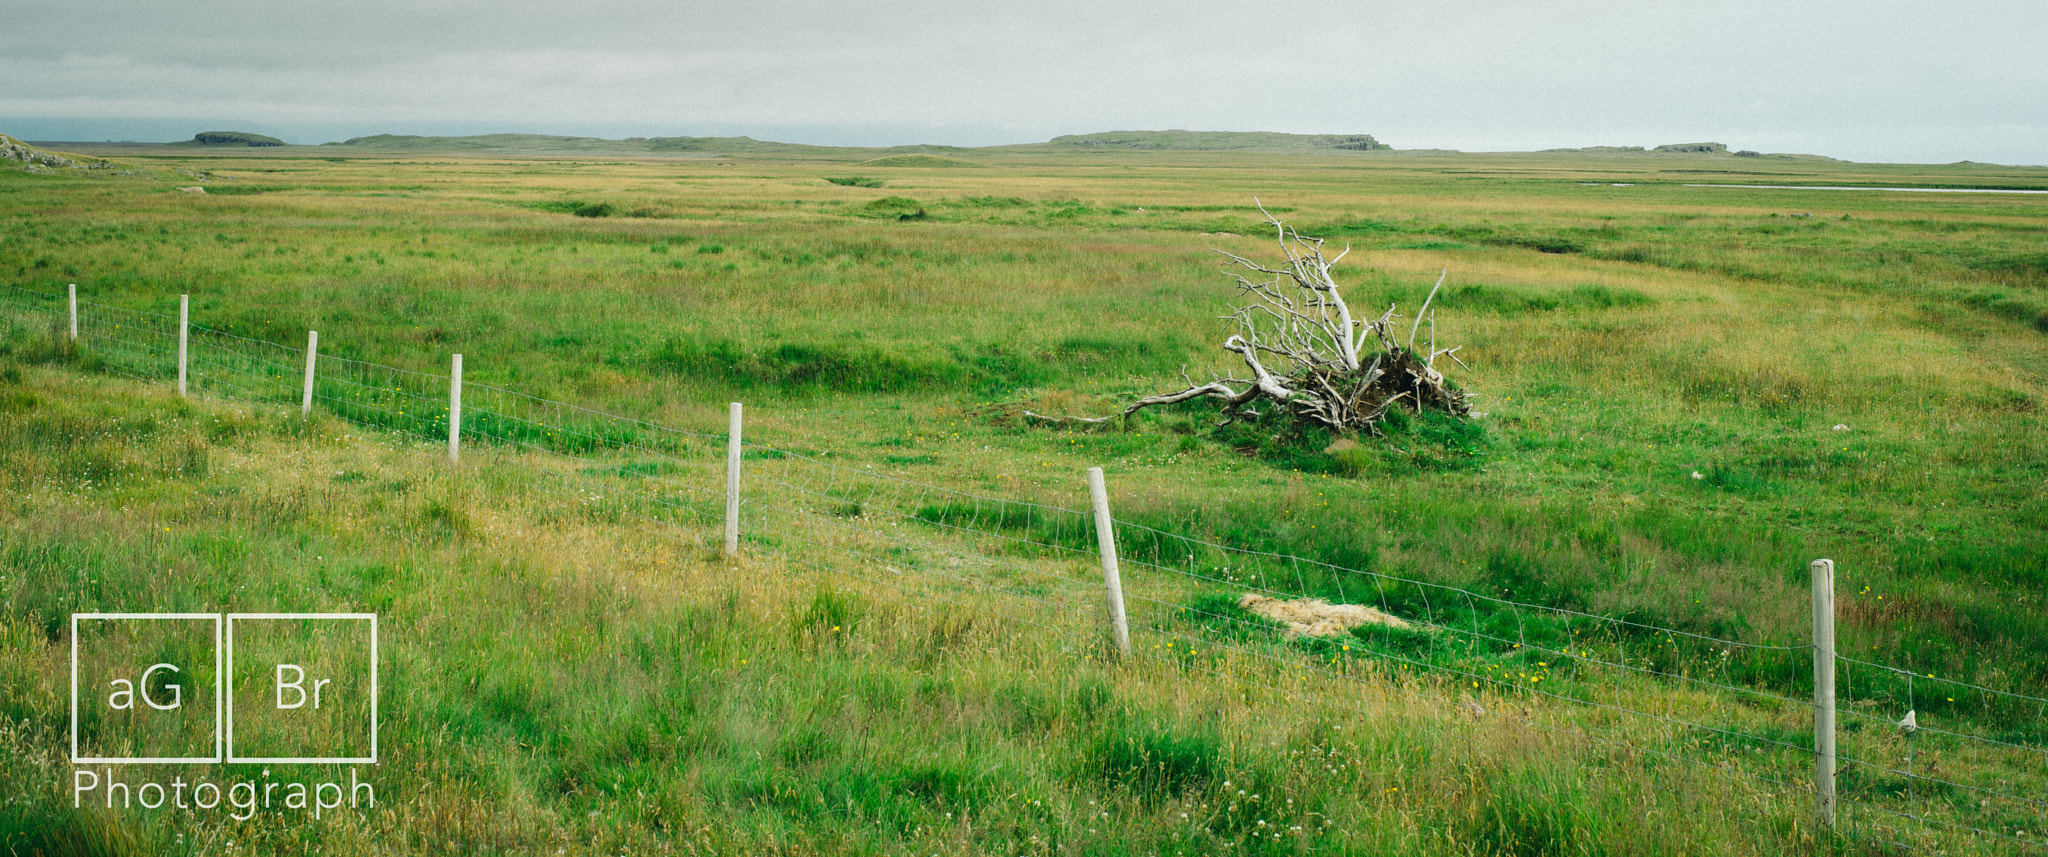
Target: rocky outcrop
<point>40,162</point>
<point>20,152</point>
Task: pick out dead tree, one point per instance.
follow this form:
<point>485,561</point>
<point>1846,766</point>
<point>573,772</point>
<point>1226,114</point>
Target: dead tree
<point>1307,355</point>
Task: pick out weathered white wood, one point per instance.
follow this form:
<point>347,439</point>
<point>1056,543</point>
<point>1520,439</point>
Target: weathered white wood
<point>455,412</point>
<point>312,350</point>
<point>1824,690</point>
<point>1105,536</point>
<point>184,333</point>
<point>74,312</point>
<point>1425,308</point>
<point>1307,352</point>
<point>732,482</point>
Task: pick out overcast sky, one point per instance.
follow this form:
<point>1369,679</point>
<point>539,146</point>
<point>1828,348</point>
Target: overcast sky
<point>1869,80</point>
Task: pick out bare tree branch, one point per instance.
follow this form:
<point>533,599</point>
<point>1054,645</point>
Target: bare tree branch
<point>1308,354</point>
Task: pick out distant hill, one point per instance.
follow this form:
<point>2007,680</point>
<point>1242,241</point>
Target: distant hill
<point>918,160</point>
<point>731,146</point>
<point>235,138</point>
<point>1218,141</point>
<point>1105,142</point>
<point>1204,141</point>
<point>1685,149</point>
<point>1692,149</point>
<point>478,142</point>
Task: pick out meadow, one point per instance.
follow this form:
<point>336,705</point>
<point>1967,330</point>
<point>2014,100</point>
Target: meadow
<point>1689,393</point>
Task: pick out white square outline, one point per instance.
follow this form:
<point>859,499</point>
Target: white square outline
<point>152,760</point>
<point>229,755</point>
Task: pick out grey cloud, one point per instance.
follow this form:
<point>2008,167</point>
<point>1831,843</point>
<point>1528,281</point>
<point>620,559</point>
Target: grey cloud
<point>1467,73</point>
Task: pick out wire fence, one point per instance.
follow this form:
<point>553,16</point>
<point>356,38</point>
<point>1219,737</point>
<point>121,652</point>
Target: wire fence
<point>1920,757</point>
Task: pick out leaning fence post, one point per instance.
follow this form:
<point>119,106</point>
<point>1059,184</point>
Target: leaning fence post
<point>74,312</point>
<point>184,330</point>
<point>312,348</point>
<point>1824,690</point>
<point>1105,536</point>
<point>455,412</point>
<point>732,482</point>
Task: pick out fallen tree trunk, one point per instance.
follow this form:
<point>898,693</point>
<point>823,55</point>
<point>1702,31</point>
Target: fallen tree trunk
<point>1309,358</point>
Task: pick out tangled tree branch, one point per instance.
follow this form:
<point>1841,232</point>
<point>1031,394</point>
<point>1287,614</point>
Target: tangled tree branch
<point>1309,357</point>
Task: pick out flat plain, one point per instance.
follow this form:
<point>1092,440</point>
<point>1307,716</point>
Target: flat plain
<point>1689,392</point>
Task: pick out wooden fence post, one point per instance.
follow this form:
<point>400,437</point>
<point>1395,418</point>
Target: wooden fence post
<point>312,348</point>
<point>455,412</point>
<point>1105,537</point>
<point>184,331</point>
<point>1824,691</point>
<point>74,312</point>
<point>732,482</point>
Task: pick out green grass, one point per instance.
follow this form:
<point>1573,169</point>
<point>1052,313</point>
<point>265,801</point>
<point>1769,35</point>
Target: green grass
<point>1621,339</point>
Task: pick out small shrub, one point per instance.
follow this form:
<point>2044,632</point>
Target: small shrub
<point>597,209</point>
<point>855,181</point>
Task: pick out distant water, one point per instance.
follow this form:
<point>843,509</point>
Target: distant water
<point>1901,189</point>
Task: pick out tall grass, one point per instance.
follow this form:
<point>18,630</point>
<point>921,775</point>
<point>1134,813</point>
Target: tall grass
<point>576,682</point>
<point>1621,341</point>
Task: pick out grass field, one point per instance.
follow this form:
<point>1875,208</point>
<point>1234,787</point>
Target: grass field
<point>1663,370</point>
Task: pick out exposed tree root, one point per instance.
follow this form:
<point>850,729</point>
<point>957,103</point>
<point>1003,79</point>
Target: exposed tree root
<point>1309,358</point>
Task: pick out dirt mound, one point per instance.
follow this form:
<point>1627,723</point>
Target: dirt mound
<point>1314,617</point>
